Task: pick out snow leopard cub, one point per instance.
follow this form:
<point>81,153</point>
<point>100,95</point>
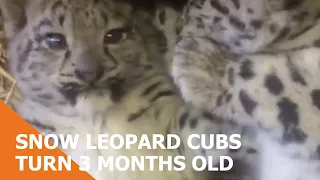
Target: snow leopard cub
<point>96,66</point>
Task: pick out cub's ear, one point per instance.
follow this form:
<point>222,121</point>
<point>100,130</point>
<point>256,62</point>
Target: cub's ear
<point>13,15</point>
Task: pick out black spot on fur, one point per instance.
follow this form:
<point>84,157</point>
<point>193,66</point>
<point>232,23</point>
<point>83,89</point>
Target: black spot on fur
<point>19,47</point>
<point>36,89</point>
<point>222,28</point>
<point>273,84</point>
<point>41,127</point>
<point>151,88</point>
<point>289,118</point>
<point>33,66</point>
<point>223,46</point>
<point>35,76</point>
<point>315,96</point>
<point>162,17</point>
<point>217,19</point>
<point>216,5</point>
<point>70,92</point>
<point>273,28</point>
<point>228,97</point>
<point>71,96</point>
<point>200,23</point>
<point>247,102</point>
<point>87,14</point>
<point>233,111</point>
<point>246,36</point>
<point>237,43</point>
<point>204,16</point>
<point>209,116</point>
<point>291,4</point>
<point>183,119</point>
<point>135,116</point>
<point>317,153</point>
<point>288,112</point>
<point>115,86</point>
<point>196,4</point>
<point>237,23</point>
<point>104,16</point>
<point>61,20</point>
<point>178,29</point>
<point>236,3</point>
<point>63,102</point>
<point>24,78</point>
<point>231,76</point>
<point>44,22</point>
<point>214,118</point>
<point>193,123</point>
<point>316,43</point>
<point>66,75</point>
<point>294,134</point>
<point>234,150</point>
<point>251,151</point>
<point>256,24</point>
<point>57,5</point>
<point>246,71</point>
<point>67,55</point>
<point>45,96</point>
<point>250,11</point>
<point>297,77</point>
<point>24,55</point>
<point>162,94</point>
<point>219,101</point>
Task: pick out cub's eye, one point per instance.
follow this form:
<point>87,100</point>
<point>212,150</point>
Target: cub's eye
<point>114,36</point>
<point>56,41</point>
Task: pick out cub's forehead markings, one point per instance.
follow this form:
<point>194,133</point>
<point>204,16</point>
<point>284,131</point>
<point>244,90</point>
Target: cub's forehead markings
<point>61,20</point>
<point>104,16</point>
<point>44,22</point>
<point>57,5</point>
<point>58,10</point>
<point>24,55</point>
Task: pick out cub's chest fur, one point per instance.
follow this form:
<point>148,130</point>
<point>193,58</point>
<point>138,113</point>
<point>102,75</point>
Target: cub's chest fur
<point>132,115</point>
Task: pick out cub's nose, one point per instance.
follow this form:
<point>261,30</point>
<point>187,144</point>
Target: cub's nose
<point>87,67</point>
<point>85,76</point>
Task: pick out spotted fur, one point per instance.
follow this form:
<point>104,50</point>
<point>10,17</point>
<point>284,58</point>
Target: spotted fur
<point>256,63</point>
<point>92,67</point>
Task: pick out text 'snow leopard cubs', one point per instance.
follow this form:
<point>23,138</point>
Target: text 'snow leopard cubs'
<point>92,67</point>
<point>257,64</point>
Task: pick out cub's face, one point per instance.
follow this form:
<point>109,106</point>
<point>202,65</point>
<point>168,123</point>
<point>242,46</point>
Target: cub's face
<point>58,48</point>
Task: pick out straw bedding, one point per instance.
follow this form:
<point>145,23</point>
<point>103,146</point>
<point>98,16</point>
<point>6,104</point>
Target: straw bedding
<point>9,93</point>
